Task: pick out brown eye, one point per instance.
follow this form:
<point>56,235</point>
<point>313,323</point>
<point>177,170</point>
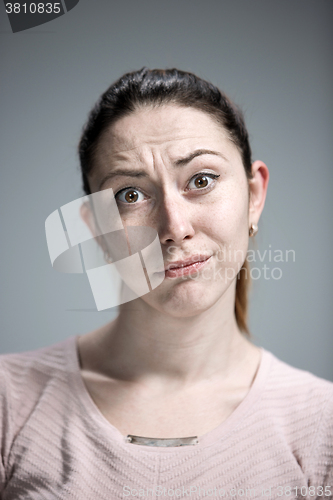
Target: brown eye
<point>131,196</point>
<point>201,181</point>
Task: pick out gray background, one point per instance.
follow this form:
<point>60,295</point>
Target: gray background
<point>272,57</point>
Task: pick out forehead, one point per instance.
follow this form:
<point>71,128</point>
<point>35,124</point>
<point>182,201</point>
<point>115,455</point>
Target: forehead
<point>169,130</point>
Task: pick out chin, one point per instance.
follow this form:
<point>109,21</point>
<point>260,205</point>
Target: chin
<point>185,299</point>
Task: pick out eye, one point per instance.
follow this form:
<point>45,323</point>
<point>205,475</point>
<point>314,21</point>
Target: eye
<point>129,195</point>
<point>200,181</point>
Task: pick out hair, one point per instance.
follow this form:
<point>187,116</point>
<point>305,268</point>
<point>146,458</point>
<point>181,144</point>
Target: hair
<point>154,88</point>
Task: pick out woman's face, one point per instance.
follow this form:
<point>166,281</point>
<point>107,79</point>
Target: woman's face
<point>175,169</point>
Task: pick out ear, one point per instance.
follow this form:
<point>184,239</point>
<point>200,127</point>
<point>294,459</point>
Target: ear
<point>258,189</point>
<point>88,217</point>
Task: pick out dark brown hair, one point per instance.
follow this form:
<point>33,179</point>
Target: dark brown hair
<point>172,86</point>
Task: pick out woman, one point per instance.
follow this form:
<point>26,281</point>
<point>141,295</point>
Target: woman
<point>171,398</point>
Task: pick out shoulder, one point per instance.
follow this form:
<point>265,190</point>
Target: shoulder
<point>301,388</point>
<point>36,365</point>
<point>31,383</point>
<point>297,396</point>
<point>300,405</point>
<point>26,377</point>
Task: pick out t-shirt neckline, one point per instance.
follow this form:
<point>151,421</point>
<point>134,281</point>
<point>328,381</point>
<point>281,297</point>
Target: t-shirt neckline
<point>108,430</point>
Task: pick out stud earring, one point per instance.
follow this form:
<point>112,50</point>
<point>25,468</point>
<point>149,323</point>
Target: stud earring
<point>253,229</point>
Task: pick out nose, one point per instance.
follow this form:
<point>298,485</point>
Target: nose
<point>174,220</point>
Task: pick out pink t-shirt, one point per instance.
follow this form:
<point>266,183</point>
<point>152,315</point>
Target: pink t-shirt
<point>56,444</point>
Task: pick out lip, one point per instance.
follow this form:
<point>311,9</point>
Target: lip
<point>186,267</point>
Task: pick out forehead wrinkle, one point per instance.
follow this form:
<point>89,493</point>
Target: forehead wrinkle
<point>155,142</point>
<point>112,136</point>
<point>114,153</point>
<point>157,157</point>
<point>144,127</point>
<point>148,151</point>
<point>112,147</point>
<point>121,154</point>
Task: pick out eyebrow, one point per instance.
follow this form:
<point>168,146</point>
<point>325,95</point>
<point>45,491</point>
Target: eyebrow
<point>198,152</point>
<point>124,173</point>
<point>178,163</point>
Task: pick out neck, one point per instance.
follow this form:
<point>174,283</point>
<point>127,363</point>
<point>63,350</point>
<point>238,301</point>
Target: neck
<point>145,343</point>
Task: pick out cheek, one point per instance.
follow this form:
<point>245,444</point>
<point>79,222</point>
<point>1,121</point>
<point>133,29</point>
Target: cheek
<point>227,215</point>
<point>226,224</point>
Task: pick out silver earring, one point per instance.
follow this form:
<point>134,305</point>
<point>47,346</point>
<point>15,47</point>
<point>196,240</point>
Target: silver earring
<point>107,257</point>
<point>253,229</point>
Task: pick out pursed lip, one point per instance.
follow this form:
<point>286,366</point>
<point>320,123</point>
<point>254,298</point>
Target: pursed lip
<point>178,264</point>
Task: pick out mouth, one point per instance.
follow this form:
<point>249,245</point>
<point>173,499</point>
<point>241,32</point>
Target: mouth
<point>186,267</point>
